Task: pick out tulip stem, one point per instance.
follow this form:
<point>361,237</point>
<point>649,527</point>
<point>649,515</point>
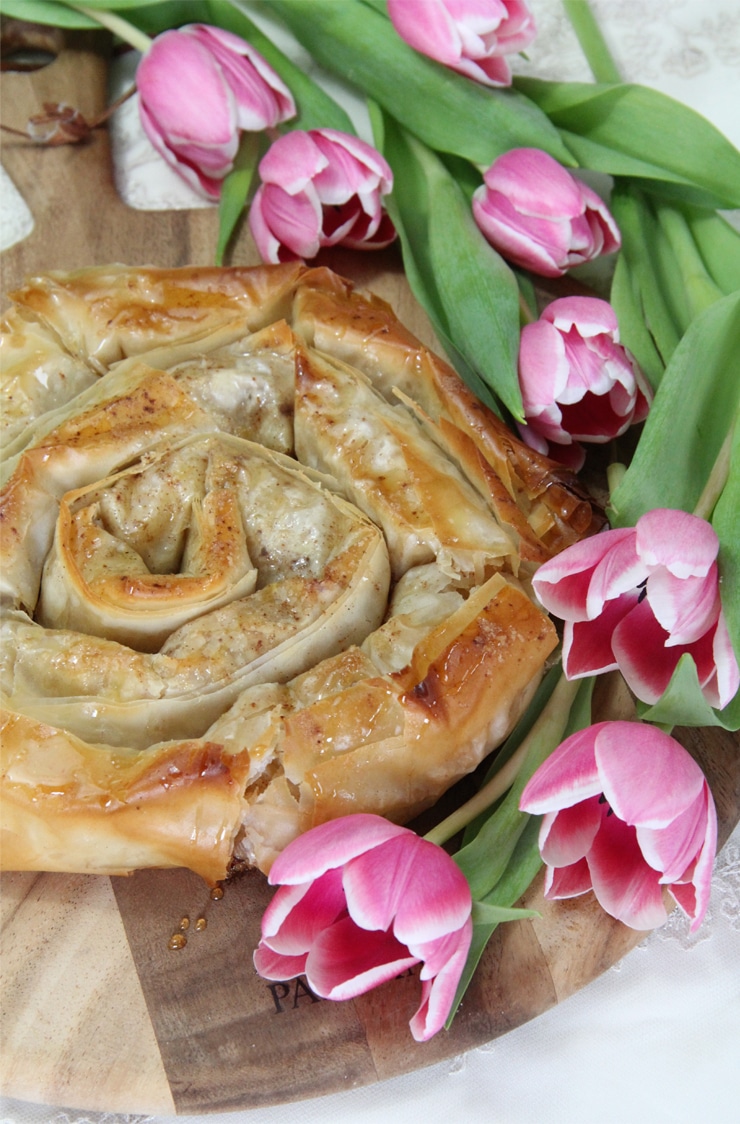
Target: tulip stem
<point>614,475</point>
<point>120,27</point>
<point>592,41</point>
<point>544,736</point>
<point>717,479</point>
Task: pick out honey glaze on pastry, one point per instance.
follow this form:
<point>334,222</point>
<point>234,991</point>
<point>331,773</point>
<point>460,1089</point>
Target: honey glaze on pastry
<point>264,562</point>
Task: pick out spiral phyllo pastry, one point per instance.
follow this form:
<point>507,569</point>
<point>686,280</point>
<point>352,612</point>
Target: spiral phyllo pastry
<point>265,561</point>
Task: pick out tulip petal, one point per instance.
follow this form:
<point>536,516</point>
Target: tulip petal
<point>488,71</point>
<point>669,778</point>
<point>587,370</point>
<point>567,776</point>
<point>292,161</point>
<point>297,914</point>
<point>588,647</point>
<point>639,646</point>
<point>268,245</point>
<point>620,571</point>
<point>566,836</point>
<point>673,850</point>
<point>274,966</point>
<point>469,36</point>
<point>685,607</point>
<point>206,185</point>
<point>693,897</point>
<point>410,883</point>
<point>438,994</point>
<point>562,583</point>
<point>347,961</point>
<point>383,235</point>
<point>363,168</point>
<point>295,220</point>
<point>599,215</point>
<point>543,370</point>
<point>426,26</point>
<point>624,885</point>
<point>435,954</point>
<point>540,185</point>
<point>209,117</point>
<point>724,684</point>
<point>567,881</point>
<point>683,543</point>
<point>263,99</point>
<point>331,845</point>
<point>538,244</point>
<point>592,315</point>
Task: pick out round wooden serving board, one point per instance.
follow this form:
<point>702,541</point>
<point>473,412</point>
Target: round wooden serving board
<point>97,1012</point>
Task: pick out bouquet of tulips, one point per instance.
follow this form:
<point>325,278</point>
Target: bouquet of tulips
<point>478,174</point>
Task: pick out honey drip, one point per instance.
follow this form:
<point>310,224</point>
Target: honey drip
<point>178,939</point>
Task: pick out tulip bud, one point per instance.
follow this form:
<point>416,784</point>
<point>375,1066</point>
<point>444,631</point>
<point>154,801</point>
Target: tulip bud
<point>539,216</point>
<point>470,36</point>
<point>320,188</point>
<point>199,86</point>
<point>360,901</point>
<point>640,598</point>
<point>626,811</point>
<point>578,382</point>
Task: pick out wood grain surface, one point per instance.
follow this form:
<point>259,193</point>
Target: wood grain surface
<point>97,1012</point>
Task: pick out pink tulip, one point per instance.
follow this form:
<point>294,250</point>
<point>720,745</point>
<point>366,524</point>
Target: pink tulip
<point>470,36</point>
<point>539,216</point>
<point>199,86</point>
<point>637,599</point>
<point>578,383</point>
<point>360,901</point>
<point>320,188</point>
<point>627,811</point>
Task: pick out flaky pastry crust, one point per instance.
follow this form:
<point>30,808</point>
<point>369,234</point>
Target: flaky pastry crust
<point>264,562</point>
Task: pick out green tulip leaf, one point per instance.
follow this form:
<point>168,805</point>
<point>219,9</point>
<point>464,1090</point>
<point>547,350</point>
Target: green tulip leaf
<point>486,913</point>
<point>683,704</point>
<point>151,17</point>
<point>49,12</point>
<point>726,522</point>
<point>630,130</point>
<point>358,43</point>
<point>121,5</point>
<point>628,303</point>
<point>468,291</point>
<point>523,868</point>
<point>694,409</point>
<point>235,190</point>
<point>161,15</point>
<point>719,245</point>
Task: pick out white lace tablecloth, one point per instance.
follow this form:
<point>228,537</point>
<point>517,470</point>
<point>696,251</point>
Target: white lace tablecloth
<point>657,1037</point>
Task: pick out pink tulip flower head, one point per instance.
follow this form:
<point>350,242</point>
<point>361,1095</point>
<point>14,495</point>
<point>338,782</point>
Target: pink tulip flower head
<point>360,901</point>
<point>627,811</point>
<point>578,382</point>
<point>637,599</point>
<point>320,188</point>
<point>470,36</point>
<point>538,216</point>
<point>199,87</point>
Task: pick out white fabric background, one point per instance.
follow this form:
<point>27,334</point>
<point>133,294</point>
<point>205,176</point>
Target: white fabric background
<point>657,1037</point>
